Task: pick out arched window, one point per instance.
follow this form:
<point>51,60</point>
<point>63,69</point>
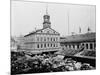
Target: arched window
<point>66,45</point>
<point>73,46</point>
<point>54,45</point>
<point>51,45</point>
<point>86,46</point>
<point>91,46</point>
<point>56,39</point>
<point>69,46</point>
<point>78,46</point>
<point>83,44</point>
<point>48,44</point>
<point>53,39</point>
<point>45,45</point>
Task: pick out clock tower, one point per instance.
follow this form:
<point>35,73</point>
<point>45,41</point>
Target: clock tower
<point>46,22</point>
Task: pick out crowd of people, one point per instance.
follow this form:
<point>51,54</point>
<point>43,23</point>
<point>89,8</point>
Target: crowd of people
<point>22,62</point>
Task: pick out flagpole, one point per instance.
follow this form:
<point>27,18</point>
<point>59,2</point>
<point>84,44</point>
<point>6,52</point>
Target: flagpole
<point>68,21</point>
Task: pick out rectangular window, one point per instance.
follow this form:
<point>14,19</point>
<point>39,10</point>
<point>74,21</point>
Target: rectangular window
<point>37,38</point>
<point>44,39</point>
<point>41,38</point>
<point>41,45</point>
<point>54,39</point>
<point>51,39</point>
<point>56,45</point>
<point>48,38</point>
<point>73,46</point>
<point>94,45</point>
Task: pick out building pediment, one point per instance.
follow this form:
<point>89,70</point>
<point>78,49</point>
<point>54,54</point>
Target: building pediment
<point>48,31</point>
<point>43,31</point>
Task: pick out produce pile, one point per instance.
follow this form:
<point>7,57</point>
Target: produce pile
<point>89,53</point>
<point>22,63</point>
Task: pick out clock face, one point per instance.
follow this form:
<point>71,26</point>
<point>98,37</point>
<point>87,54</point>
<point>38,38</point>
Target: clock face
<point>46,19</point>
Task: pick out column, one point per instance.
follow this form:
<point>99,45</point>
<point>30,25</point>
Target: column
<point>71,46</point>
<point>67,46</point>
<point>75,47</point>
<point>84,45</point>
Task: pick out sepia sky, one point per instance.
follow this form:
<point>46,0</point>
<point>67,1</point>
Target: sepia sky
<point>28,16</point>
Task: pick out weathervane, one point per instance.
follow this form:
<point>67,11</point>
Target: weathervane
<point>47,9</point>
